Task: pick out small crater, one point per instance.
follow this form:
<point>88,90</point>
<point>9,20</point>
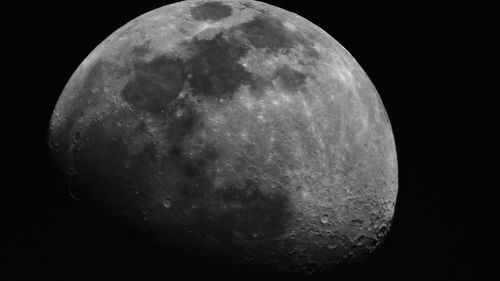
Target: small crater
<point>324,219</point>
<point>331,246</point>
<point>77,137</point>
<point>167,202</point>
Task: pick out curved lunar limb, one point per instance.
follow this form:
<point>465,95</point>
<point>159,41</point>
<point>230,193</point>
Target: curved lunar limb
<point>233,128</point>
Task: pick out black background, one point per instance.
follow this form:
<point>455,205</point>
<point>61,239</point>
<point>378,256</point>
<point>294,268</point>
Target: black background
<point>414,55</point>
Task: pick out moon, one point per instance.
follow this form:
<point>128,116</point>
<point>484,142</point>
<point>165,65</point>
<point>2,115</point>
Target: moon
<point>234,130</point>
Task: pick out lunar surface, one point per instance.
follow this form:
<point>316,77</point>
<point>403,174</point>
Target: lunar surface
<point>232,130</point>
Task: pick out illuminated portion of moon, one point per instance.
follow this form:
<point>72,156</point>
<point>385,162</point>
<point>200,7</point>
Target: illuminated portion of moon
<point>235,129</point>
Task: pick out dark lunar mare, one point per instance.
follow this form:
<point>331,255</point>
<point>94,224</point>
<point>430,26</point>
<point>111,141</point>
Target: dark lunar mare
<point>213,69</point>
<point>291,79</point>
<point>155,84</point>
<point>211,11</point>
